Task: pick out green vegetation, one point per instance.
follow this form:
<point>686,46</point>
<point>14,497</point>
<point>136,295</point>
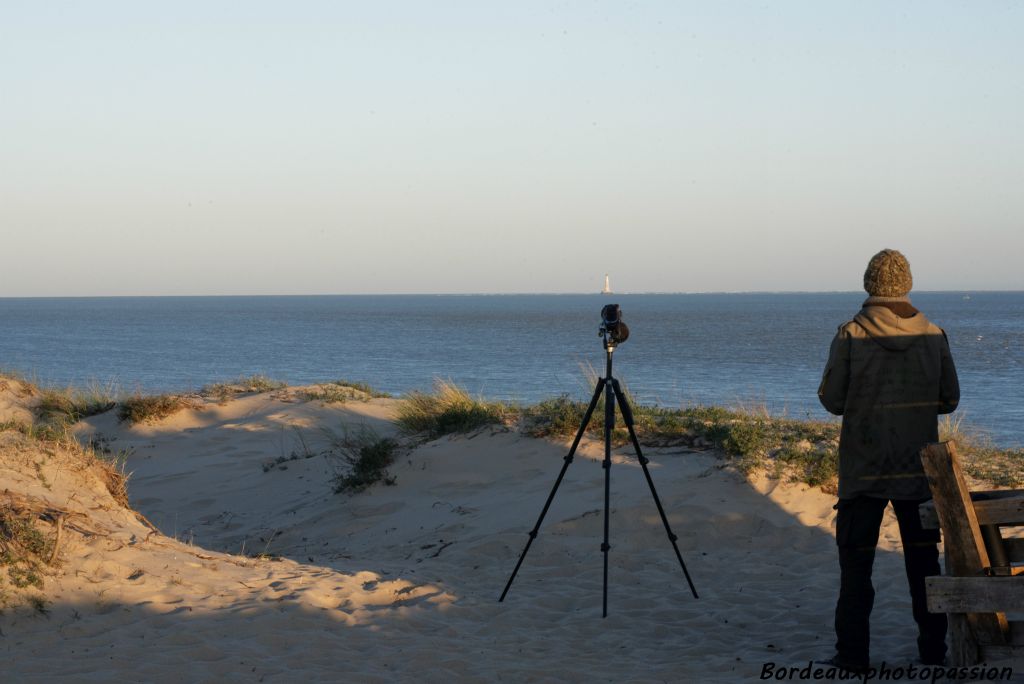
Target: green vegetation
<point>340,391</point>
<point>56,409</point>
<point>449,409</point>
<point>753,440</point>
<point>71,405</point>
<point>796,450</point>
<point>41,432</point>
<point>24,550</point>
<point>360,458</point>
<point>140,409</point>
<point>253,384</point>
<point>558,417</point>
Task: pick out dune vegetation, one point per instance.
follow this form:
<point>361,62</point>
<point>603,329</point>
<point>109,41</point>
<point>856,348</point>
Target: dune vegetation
<point>750,439</point>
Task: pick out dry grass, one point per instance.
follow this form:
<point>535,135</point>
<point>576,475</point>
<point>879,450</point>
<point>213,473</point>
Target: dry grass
<point>142,409</point>
<point>252,384</point>
<point>448,409</point>
<point>18,383</point>
<point>980,458</point>
<point>70,405</point>
<point>59,434</point>
<point>25,549</point>
<point>30,527</point>
<point>754,440</point>
<point>750,437</point>
<point>341,391</point>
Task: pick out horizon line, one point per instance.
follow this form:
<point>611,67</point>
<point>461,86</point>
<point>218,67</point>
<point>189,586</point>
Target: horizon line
<point>496,294</point>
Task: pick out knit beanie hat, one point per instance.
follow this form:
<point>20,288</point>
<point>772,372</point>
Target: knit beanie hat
<point>888,275</point>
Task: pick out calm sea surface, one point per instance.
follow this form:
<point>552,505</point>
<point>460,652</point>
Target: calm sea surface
<point>728,349</point>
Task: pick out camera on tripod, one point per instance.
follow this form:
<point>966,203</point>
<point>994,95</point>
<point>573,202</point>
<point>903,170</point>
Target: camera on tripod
<point>614,331</point>
<point>612,328</point>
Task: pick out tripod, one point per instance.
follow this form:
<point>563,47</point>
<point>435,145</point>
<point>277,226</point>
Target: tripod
<point>612,394</point>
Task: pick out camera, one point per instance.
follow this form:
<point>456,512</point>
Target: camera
<point>612,328</point>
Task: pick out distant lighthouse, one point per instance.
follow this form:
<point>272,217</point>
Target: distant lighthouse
<point>607,285</point>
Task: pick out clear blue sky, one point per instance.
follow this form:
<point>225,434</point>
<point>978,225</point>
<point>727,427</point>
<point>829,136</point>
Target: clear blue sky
<point>351,147</point>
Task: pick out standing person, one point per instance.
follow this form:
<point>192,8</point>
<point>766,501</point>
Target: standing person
<point>889,374</point>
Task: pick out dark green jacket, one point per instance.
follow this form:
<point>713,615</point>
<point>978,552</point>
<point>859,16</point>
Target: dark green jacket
<point>889,374</point>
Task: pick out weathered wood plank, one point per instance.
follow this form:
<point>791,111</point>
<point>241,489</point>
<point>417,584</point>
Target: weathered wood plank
<point>975,594</point>
<point>998,507</point>
<point>963,643</point>
<point>966,555</point>
<point>965,550</point>
<point>1004,510</point>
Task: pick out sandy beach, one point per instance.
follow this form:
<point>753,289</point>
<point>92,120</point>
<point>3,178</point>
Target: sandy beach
<point>244,565</point>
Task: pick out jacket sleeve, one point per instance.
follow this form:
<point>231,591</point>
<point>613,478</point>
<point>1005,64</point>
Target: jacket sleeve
<point>949,385</point>
<point>835,381</point>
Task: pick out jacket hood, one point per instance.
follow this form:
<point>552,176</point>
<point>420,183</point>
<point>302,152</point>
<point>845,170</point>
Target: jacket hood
<point>884,325</point>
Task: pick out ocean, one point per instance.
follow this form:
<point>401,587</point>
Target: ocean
<point>734,350</point>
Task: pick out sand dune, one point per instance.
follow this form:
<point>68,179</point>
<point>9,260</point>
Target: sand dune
<point>401,583</point>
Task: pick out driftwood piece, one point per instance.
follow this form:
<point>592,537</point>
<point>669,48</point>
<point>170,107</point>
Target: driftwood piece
<point>966,555</point>
<point>27,505</point>
<point>38,508</point>
<point>56,540</point>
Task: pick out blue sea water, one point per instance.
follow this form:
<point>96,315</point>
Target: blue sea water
<point>727,349</point>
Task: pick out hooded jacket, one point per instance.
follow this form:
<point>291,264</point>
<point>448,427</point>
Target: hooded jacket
<point>889,374</point>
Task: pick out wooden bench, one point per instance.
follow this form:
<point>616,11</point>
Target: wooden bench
<point>981,583</point>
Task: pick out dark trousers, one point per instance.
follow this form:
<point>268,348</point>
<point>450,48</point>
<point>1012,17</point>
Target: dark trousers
<point>857,525</point>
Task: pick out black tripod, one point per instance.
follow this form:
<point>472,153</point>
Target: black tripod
<point>613,392</point>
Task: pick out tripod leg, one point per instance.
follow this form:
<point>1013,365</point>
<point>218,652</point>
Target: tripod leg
<point>609,425</point>
<point>565,466</point>
<point>627,418</point>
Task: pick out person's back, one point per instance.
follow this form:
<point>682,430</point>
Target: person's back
<point>889,374</point>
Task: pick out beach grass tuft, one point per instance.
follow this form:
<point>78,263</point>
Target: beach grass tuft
<point>448,409</point>
<point>249,384</point>
<point>360,458</point>
<point>71,404</point>
<point>980,458</point>
<point>37,431</point>
<point>148,408</point>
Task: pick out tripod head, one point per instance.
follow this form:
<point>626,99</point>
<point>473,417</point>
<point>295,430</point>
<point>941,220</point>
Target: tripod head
<point>613,330</point>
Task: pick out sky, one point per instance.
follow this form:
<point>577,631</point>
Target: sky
<point>212,148</point>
